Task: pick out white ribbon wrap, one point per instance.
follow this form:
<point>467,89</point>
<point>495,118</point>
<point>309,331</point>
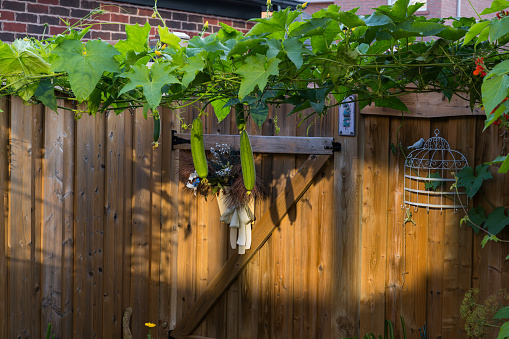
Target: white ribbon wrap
<point>239,219</point>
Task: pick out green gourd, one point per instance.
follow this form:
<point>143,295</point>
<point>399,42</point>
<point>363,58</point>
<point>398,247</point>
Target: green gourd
<point>198,149</point>
<point>247,161</point>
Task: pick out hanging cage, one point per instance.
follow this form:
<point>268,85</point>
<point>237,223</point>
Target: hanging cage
<point>430,171</point>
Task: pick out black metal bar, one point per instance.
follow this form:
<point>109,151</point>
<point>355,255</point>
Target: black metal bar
<point>175,140</point>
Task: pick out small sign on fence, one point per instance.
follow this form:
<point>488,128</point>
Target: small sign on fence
<point>347,117</point>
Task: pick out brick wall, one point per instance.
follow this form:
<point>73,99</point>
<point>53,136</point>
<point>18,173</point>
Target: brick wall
<point>32,18</point>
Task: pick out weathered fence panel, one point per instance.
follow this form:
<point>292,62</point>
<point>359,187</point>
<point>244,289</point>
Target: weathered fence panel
<point>95,220</point>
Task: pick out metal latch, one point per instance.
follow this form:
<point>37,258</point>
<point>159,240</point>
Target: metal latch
<point>336,146</point>
<point>175,140</point>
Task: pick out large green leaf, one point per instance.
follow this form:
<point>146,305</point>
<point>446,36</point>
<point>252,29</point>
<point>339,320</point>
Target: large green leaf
<point>16,58</point>
<point>378,19</point>
<point>349,19</point>
<point>472,181</point>
<point>475,30</point>
<point>497,221</point>
<point>255,72</point>
<point>496,6</point>
<point>152,80</point>
<point>476,218</point>
<point>494,90</point>
<point>427,28</point>
<point>84,64</point>
<point>45,93</point>
<point>137,39</point>
<point>294,48</point>
<point>193,66</point>
<point>278,22</point>
<point>259,112</point>
<point>499,28</point>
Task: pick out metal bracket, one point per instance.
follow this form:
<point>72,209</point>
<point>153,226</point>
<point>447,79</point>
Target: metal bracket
<point>175,140</point>
<point>336,146</point>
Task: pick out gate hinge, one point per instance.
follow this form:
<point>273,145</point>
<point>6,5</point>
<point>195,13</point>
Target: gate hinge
<point>175,140</point>
<point>336,146</point>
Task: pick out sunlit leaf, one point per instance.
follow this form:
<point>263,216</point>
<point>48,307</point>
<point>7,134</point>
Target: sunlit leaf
<point>151,80</point>
<point>137,39</point>
<point>85,64</point>
<point>255,72</point>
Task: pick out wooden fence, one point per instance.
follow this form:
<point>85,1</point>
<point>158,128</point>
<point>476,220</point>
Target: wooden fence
<point>95,221</point>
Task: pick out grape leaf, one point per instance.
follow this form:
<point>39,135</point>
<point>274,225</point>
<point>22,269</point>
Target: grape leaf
<point>45,93</point>
<point>255,72</point>
<point>496,221</point>
<point>433,185</point>
<point>502,313</point>
<point>85,64</point>
<point>152,81</point>
<point>476,218</point>
<point>472,181</point>
<point>137,39</point>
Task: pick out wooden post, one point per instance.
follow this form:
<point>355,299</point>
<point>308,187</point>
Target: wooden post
<point>345,300</point>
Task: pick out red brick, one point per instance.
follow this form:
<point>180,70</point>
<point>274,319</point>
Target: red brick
<point>110,8</point>
<point>212,21</point>
<point>6,15</point>
<point>145,12</point>
<point>110,27</point>
<point>137,20</point>
<point>14,27</point>
<point>49,2</point>
<point>14,5</point>
<point>106,17</point>
<point>54,30</point>
<point>101,35</point>
<point>119,18</point>
<point>37,8</point>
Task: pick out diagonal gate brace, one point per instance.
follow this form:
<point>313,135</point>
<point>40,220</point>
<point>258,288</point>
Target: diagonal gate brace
<point>299,184</point>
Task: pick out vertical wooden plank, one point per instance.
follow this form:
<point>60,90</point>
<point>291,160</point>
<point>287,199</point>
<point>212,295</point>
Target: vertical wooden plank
<point>141,224</point>
<point>20,210</point>
<point>283,247</point>
<point>186,269</point>
<point>155,230</point>
<point>325,185</point>
<point>5,135</point>
<point>217,241</point>
<point>266,271</point>
<point>396,215</point>
<point>413,307</point>
<point>346,253</point>
<point>435,266</point>
<point>457,240</point>
<point>53,225</point>
<point>127,200</point>
<point>114,223</point>
<point>98,223</point>
<point>487,261</point>
<point>69,173</point>
<point>83,320</point>
<point>36,247</point>
<point>374,224</point>
<point>169,218</point>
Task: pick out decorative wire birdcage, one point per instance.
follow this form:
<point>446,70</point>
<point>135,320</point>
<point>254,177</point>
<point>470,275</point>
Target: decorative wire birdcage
<point>430,171</point>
